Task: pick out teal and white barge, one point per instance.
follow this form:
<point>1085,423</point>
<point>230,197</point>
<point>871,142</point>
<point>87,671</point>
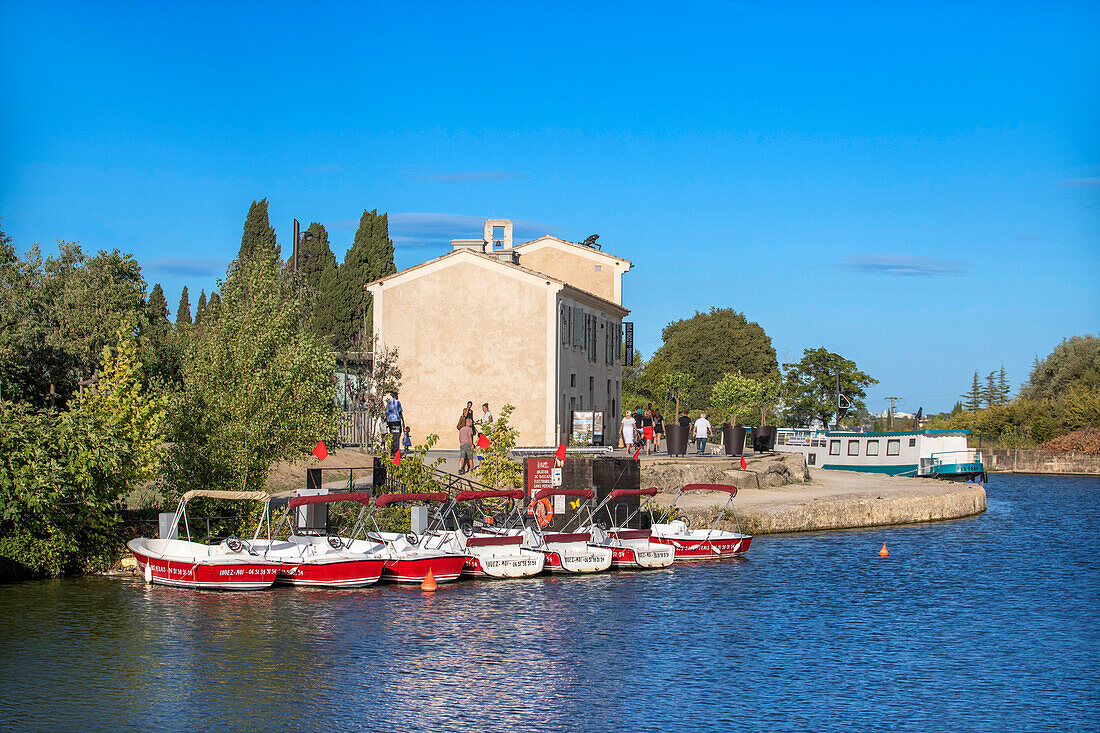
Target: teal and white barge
<point>929,453</point>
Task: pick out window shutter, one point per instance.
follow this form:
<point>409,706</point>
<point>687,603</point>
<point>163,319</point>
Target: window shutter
<point>578,326</point>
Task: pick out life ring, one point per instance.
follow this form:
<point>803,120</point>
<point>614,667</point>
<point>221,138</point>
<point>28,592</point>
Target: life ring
<point>544,512</point>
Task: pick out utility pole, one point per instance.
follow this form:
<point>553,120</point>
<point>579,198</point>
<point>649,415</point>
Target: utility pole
<point>892,400</point>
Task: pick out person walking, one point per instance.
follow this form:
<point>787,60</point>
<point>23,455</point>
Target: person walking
<point>395,420</point>
<point>626,431</point>
<point>647,430</point>
<point>658,430</point>
<point>702,432</point>
<point>466,447</point>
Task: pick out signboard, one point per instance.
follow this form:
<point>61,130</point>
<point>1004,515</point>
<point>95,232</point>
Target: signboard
<point>588,424</point>
<point>629,360</point>
<point>555,476</point>
<point>540,475</point>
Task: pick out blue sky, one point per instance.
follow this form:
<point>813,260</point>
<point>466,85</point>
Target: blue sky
<point>914,186</point>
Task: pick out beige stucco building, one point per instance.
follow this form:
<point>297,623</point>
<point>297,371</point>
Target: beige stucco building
<point>537,325</point>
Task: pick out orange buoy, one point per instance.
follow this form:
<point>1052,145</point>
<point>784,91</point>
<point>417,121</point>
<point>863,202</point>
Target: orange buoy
<point>884,552</point>
<point>429,583</point>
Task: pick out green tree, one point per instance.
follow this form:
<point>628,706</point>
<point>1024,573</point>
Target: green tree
<point>711,344</point>
<point>1004,391</point>
<point>973,398</point>
<point>257,386</point>
<point>314,255</point>
<point>810,386</point>
<point>989,392</point>
<point>1074,361</point>
<point>675,384</point>
<point>735,396</point>
<point>499,470</point>
<point>370,257</point>
<point>258,239</point>
<point>183,311</point>
<point>416,472</point>
<point>214,303</point>
<point>63,473</point>
<point>157,306</point>
<point>201,307</point>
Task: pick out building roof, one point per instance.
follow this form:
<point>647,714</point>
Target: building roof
<point>583,248</point>
<point>572,289</point>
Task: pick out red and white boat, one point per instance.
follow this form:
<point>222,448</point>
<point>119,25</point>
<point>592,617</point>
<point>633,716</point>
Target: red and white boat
<point>232,564</point>
<point>491,552</point>
<point>700,544</point>
<point>321,561</point>
<point>407,556</point>
<point>565,552</point>
<point>630,548</point>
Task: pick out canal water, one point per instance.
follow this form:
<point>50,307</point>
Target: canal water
<point>982,624</point>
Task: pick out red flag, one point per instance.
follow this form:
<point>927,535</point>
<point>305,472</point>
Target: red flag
<point>743,465</point>
<point>560,452</point>
<point>483,442</point>
<point>397,458</point>
<point>321,451</point>
<point>636,454</point>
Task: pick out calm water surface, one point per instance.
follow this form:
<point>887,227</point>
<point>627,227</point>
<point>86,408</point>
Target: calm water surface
<point>989,623</point>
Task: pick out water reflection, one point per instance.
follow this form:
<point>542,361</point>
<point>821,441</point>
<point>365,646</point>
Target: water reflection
<point>980,624</point>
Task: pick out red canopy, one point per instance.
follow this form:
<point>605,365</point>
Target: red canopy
<point>711,487</point>
<point>651,491</point>
<point>583,493</point>
<point>387,499</point>
<point>471,495</point>
<point>362,498</point>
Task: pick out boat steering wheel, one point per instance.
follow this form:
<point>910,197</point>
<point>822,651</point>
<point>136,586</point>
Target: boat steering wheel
<point>235,544</point>
<point>412,539</point>
<point>335,542</point>
<point>466,529</point>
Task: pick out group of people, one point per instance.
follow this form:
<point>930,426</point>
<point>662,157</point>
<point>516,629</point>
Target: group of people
<point>468,432</point>
<point>645,429</point>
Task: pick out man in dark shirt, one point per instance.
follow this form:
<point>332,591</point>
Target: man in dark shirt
<point>685,421</point>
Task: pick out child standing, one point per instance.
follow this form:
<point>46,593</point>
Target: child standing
<point>406,441</point>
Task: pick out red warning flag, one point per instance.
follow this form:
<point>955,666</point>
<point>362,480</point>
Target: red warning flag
<point>397,458</point>
<point>321,451</point>
<point>636,454</point>
<point>483,442</point>
<point>743,464</point>
<point>560,452</point>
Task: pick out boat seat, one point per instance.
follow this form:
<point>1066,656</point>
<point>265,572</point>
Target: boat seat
<point>490,541</point>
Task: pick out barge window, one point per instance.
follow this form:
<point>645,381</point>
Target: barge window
<point>813,460</point>
<point>834,447</point>
<point>893,447</point>
<point>872,447</point>
<point>912,442</point>
<point>853,447</point>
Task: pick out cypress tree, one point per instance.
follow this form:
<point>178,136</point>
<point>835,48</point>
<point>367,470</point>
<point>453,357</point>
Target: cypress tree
<point>315,256</point>
<point>157,306</point>
<point>989,393</point>
<point>183,312</point>
<point>259,236</point>
<point>214,303</point>
<point>201,307</point>
<point>370,257</point>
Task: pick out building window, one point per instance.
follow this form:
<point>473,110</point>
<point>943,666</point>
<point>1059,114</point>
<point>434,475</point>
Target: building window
<point>572,380</point>
<point>565,325</point>
<point>912,442</point>
<point>853,447</point>
<point>812,460</point>
<point>872,447</point>
<point>834,447</point>
<point>893,447</point>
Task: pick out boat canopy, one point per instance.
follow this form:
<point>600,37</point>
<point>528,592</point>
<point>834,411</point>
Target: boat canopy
<point>214,494</point>
<point>711,487</point>
<point>651,491</point>
<point>387,499</point>
<point>471,495</point>
<point>583,493</point>
<point>361,497</point>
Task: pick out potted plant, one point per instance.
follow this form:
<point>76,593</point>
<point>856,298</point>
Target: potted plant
<point>676,437</point>
<point>734,395</point>
<point>765,399</point>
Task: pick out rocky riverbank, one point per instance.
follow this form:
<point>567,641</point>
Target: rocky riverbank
<point>779,494</point>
